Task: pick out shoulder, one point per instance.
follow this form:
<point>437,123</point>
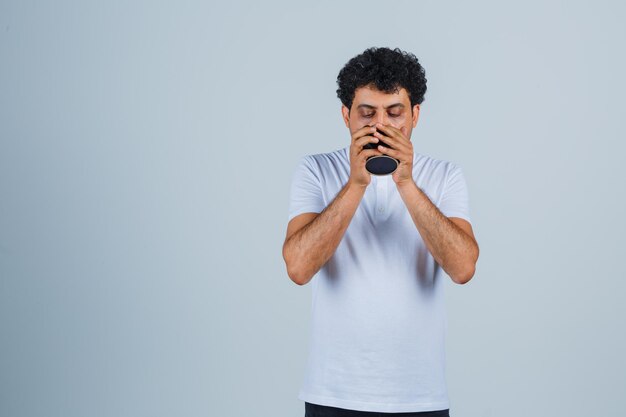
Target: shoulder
<point>327,161</point>
<point>434,168</point>
<point>333,157</point>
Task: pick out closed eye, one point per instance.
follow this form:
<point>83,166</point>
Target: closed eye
<point>391,115</point>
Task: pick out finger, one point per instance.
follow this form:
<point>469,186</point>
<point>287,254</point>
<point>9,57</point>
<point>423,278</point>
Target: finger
<point>399,155</point>
<point>366,153</point>
<point>389,130</point>
<point>393,142</point>
<point>365,130</point>
<point>362,141</point>
<point>393,132</point>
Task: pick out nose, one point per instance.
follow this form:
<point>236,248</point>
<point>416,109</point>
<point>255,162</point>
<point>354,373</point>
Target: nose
<point>382,118</point>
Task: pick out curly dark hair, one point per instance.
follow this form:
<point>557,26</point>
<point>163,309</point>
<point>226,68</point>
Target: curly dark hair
<point>386,69</point>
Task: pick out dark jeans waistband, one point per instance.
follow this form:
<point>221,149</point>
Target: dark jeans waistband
<point>317,410</point>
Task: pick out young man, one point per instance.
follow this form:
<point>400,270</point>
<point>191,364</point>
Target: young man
<point>374,247</point>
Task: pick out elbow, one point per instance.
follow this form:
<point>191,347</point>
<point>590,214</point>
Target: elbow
<point>469,270</point>
<point>465,277</point>
<point>292,271</point>
<point>295,276</point>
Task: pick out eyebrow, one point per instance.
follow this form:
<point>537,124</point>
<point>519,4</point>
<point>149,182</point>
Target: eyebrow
<point>400,105</point>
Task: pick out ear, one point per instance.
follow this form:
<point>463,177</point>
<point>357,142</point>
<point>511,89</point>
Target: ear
<point>346,115</point>
<point>416,114</point>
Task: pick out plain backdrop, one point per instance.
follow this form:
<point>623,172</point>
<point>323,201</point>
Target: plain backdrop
<point>146,150</point>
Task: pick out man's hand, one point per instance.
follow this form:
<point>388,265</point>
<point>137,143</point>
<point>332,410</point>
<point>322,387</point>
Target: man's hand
<point>402,151</point>
<point>358,174</point>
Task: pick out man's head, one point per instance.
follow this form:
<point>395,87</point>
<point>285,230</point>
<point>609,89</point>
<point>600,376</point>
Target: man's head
<point>382,86</point>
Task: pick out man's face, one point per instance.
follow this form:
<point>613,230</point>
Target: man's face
<point>371,106</point>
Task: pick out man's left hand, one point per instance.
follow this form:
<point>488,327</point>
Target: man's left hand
<point>402,151</point>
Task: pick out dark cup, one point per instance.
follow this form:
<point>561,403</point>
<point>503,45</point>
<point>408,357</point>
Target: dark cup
<point>380,164</point>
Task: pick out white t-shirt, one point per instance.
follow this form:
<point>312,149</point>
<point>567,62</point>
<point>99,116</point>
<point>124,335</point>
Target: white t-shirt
<point>378,318</point>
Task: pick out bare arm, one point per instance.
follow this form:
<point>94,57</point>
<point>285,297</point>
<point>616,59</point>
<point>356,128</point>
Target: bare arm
<point>450,240</point>
<point>310,243</point>
<point>309,247</point>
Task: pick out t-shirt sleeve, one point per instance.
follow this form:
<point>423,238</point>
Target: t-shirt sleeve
<point>455,199</point>
<point>305,194</point>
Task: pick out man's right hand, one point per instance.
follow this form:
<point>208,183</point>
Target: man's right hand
<point>358,156</point>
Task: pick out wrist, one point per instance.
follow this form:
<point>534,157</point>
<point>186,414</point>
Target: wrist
<point>406,184</point>
<point>355,186</point>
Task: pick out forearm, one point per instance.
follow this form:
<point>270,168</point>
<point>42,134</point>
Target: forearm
<point>309,248</point>
<point>451,247</point>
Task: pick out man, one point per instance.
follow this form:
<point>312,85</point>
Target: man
<point>374,247</point>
